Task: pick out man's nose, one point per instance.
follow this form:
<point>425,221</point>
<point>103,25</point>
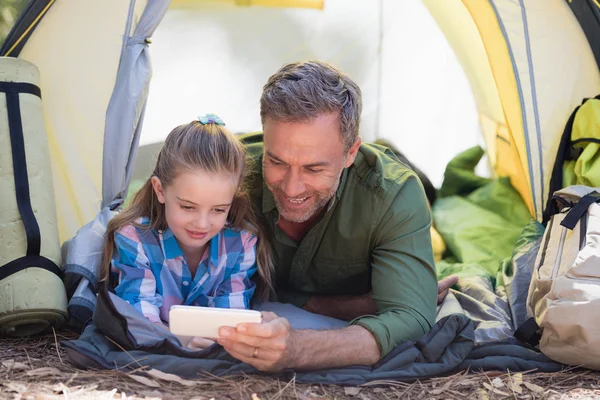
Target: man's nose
<point>293,183</point>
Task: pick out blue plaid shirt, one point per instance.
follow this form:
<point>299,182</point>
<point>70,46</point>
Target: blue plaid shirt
<point>153,274</point>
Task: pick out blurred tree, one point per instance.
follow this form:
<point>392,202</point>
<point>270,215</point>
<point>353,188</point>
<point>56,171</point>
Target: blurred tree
<point>9,12</point>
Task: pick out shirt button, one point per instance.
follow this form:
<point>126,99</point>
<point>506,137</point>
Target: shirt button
<point>185,283</point>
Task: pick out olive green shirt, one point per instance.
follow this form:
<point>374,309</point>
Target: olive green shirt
<point>373,236</point>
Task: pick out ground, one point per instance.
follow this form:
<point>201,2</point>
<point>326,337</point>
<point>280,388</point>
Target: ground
<point>39,369</point>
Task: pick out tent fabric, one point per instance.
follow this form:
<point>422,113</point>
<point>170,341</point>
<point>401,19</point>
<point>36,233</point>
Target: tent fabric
<point>125,109</point>
<point>123,127</point>
<point>78,80</point>
<point>588,15</point>
<point>25,25</point>
<point>541,66</point>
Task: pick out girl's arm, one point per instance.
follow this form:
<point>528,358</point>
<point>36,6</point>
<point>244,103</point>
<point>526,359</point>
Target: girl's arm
<point>137,283</point>
<point>237,289</point>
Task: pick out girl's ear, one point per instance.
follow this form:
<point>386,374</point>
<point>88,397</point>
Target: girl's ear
<point>158,189</point>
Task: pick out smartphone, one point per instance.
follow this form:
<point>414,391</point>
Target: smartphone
<point>206,321</point>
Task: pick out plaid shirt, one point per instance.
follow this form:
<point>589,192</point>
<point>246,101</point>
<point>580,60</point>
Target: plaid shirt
<point>153,274</point>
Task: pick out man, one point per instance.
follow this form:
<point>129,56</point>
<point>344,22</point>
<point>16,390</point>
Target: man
<point>350,229</point>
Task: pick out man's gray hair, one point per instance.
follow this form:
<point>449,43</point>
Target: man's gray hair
<point>301,91</point>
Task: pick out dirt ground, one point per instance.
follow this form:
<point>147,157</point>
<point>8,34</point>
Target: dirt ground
<point>39,369</point>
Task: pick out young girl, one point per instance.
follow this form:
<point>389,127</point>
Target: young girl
<point>190,235</point>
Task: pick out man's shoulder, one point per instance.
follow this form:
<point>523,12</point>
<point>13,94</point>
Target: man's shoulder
<point>379,169</point>
<point>253,143</point>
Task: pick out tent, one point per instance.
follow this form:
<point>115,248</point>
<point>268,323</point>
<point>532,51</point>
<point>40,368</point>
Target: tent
<point>528,62</point>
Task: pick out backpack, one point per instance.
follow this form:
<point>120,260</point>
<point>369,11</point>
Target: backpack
<point>564,294</point>
<point>578,156</point>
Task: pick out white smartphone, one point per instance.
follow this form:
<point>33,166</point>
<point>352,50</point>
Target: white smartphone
<point>206,321</point>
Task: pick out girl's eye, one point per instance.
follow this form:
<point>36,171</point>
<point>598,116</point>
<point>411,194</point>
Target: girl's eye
<point>220,210</point>
<point>186,208</point>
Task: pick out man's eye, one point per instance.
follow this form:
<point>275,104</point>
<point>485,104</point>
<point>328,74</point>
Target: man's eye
<point>274,162</point>
<point>314,170</point>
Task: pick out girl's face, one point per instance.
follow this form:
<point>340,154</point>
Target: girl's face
<point>196,206</point>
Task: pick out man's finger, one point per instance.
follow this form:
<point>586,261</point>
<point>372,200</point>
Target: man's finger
<point>249,351</point>
<point>274,328</point>
<point>257,363</point>
<point>447,283</point>
<point>254,341</point>
<point>268,316</point>
<point>442,296</point>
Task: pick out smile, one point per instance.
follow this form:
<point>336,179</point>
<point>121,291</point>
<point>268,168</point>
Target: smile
<point>196,235</point>
<point>297,201</point>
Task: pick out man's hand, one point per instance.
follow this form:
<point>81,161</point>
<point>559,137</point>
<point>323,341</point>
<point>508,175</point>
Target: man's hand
<point>444,287</point>
<point>265,346</point>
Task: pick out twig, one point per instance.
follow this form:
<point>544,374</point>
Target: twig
<point>278,394</point>
<point>56,344</point>
<point>28,359</point>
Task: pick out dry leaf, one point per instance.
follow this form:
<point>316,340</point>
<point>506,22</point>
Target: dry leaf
<point>494,390</point>
<point>516,381</point>
<point>497,383</point>
<point>482,394</point>
<point>351,390</point>
<point>155,373</point>
<point>144,380</point>
<point>44,371</point>
<point>533,387</point>
<point>15,387</point>
<point>155,394</point>
<point>13,365</point>
<point>441,390</point>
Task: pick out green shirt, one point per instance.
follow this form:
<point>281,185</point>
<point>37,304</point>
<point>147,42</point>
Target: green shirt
<point>374,236</point>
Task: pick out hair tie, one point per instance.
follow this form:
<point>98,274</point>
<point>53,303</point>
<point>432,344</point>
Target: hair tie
<point>210,119</point>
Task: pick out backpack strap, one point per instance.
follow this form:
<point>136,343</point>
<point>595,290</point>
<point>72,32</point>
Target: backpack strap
<point>32,229</point>
<point>528,332</point>
<point>578,211</point>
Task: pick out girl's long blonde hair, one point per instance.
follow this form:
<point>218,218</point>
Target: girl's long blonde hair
<point>194,147</point>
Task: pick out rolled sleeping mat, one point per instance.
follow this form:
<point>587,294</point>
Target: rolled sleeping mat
<point>32,294</point>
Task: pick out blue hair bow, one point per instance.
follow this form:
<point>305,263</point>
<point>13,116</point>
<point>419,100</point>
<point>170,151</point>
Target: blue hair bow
<point>210,119</point>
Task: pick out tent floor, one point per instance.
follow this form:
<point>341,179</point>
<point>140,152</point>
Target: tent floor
<point>37,368</point>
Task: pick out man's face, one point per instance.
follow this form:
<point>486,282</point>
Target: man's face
<point>303,162</point>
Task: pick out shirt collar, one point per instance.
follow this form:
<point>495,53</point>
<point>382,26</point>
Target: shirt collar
<point>172,249</point>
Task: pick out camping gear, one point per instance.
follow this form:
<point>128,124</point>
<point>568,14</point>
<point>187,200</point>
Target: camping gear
<point>564,296</point>
<point>32,295</point>
<point>577,161</point>
<point>529,64</point>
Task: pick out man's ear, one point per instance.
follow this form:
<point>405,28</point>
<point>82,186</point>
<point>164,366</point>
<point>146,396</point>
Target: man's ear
<point>158,189</point>
<point>352,152</point>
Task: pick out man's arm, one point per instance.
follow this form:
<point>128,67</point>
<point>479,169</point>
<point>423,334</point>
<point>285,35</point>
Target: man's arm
<point>351,307</point>
<point>403,275</point>
<point>274,346</point>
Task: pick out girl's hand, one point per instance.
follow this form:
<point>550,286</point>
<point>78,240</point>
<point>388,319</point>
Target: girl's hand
<point>198,343</point>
